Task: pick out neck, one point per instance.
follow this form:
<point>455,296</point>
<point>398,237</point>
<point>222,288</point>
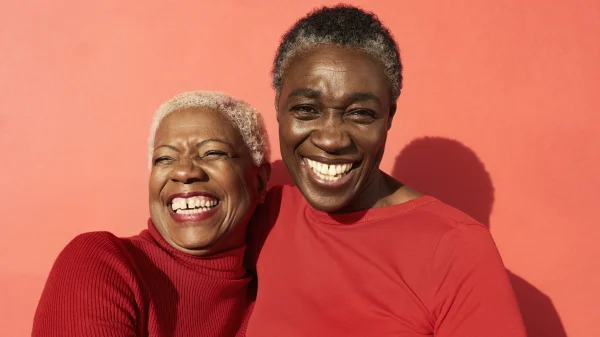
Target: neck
<point>375,194</point>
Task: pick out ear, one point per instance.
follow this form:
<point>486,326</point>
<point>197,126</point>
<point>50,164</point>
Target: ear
<point>391,115</point>
<point>264,173</point>
<point>275,102</point>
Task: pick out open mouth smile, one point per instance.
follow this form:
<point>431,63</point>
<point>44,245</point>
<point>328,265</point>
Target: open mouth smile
<point>192,207</point>
<point>329,174</point>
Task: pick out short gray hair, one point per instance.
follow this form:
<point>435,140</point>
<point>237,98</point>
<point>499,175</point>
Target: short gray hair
<point>344,26</point>
<point>246,119</point>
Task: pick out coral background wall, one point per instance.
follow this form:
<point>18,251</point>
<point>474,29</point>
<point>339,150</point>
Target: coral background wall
<point>499,117</point>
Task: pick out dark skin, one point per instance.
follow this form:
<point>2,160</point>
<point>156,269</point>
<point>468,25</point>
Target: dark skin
<point>335,107</point>
<point>198,150</point>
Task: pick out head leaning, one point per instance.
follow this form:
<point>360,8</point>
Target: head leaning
<point>246,119</point>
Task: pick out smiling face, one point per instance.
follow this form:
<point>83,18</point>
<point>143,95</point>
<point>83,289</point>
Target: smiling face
<point>203,185</point>
<point>334,111</point>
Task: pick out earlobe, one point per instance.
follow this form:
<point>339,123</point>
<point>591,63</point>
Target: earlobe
<point>264,173</point>
<point>262,196</point>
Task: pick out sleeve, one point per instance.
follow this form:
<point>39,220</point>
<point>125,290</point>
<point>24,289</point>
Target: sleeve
<point>90,291</point>
<point>473,295</point>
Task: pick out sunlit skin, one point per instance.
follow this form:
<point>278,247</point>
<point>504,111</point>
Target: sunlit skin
<point>199,151</point>
<point>335,107</point>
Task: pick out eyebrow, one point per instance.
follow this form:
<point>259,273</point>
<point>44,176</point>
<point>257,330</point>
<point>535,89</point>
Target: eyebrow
<point>168,146</point>
<point>212,140</point>
<point>197,145</point>
<point>310,93</point>
<point>363,96</point>
<point>354,97</point>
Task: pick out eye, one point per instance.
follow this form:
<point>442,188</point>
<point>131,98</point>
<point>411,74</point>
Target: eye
<point>305,112</point>
<point>215,154</point>
<point>361,116</point>
<point>164,160</point>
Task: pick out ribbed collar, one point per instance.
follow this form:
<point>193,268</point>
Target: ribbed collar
<point>228,264</point>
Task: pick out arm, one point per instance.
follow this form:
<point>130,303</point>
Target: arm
<point>474,297</point>
<point>89,291</point>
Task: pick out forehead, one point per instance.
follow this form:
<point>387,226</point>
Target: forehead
<point>196,123</point>
<point>336,70</point>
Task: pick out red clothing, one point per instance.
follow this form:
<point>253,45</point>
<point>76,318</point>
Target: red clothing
<point>102,285</point>
<point>420,268</point>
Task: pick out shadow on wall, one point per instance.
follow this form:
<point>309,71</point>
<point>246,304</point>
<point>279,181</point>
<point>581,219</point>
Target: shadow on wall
<point>451,172</point>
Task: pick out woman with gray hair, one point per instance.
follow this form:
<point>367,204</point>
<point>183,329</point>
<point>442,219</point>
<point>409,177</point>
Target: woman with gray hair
<point>351,251</point>
<point>184,275</point>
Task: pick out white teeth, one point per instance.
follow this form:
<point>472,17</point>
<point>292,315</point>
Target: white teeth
<point>324,169</point>
<point>192,211</point>
<point>328,172</point>
<point>192,205</point>
<point>327,177</point>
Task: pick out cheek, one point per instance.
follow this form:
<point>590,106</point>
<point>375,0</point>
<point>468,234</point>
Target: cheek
<point>293,131</point>
<point>155,184</point>
<point>237,181</point>
<point>371,139</point>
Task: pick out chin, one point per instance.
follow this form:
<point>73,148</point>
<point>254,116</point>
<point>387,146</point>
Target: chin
<point>326,204</point>
<point>194,239</point>
<point>202,247</point>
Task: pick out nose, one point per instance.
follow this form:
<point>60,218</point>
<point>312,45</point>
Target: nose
<point>330,136</point>
<point>187,172</point>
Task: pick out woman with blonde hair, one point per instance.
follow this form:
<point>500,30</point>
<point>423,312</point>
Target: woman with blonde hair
<point>183,275</point>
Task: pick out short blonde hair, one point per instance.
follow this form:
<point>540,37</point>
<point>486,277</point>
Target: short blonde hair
<point>245,118</point>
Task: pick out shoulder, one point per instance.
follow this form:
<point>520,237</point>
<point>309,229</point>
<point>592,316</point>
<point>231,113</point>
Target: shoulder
<point>94,245</point>
<point>470,243</point>
<point>424,228</point>
<point>465,248</point>
<point>458,229</point>
<point>95,240</point>
<point>92,286</point>
<point>91,265</point>
<point>428,214</point>
<point>93,255</point>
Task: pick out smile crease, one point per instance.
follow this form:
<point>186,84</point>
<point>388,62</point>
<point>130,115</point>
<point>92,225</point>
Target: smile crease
<point>193,205</point>
<point>329,172</point>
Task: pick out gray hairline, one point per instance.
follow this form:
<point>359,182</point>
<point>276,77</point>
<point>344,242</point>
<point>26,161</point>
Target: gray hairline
<point>375,48</point>
<point>245,118</point>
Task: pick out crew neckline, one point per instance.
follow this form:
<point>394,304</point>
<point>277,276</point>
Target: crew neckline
<point>359,217</point>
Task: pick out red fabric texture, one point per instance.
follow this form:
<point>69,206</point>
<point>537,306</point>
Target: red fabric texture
<point>420,268</point>
<point>101,285</point>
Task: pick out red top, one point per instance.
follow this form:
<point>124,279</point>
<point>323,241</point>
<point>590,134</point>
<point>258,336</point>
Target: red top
<point>416,269</point>
<point>102,285</point>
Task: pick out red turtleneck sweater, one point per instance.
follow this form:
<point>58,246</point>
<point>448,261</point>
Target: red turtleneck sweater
<point>102,285</point>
